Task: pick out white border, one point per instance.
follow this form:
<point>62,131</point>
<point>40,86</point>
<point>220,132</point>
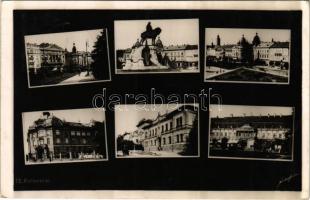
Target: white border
<point>77,83</point>
<point>158,157</point>
<point>250,158</point>
<point>150,72</point>
<point>75,161</point>
<point>7,98</point>
<point>252,82</point>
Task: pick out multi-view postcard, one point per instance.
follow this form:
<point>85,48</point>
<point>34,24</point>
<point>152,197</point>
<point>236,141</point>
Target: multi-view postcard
<point>247,55</point>
<point>67,58</point>
<point>157,46</point>
<point>251,132</point>
<point>157,131</point>
<point>64,136</point>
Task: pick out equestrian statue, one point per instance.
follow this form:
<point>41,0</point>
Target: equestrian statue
<point>150,33</point>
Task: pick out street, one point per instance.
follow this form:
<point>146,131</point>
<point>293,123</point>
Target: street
<point>79,78</point>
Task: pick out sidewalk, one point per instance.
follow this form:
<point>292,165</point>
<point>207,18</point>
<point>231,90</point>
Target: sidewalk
<point>79,78</point>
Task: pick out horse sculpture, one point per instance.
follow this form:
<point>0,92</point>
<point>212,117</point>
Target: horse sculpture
<point>152,34</point>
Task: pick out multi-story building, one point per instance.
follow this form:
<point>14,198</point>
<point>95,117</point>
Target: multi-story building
<point>64,139</point>
<point>279,53</point>
<point>182,55</point>
<point>52,55</point>
<point>168,132</point>
<point>80,59</point>
<point>236,128</point>
<point>269,53</point>
<point>261,52</point>
<point>33,57</point>
<point>47,55</point>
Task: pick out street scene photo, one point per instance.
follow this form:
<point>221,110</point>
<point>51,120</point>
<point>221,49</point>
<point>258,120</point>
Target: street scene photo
<point>62,136</point>
<point>157,46</point>
<point>251,132</point>
<point>247,55</point>
<point>67,58</point>
<point>167,130</point>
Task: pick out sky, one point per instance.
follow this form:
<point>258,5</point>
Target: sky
<point>76,115</point>
<point>233,35</point>
<point>128,116</point>
<point>173,32</point>
<point>66,39</point>
<point>236,110</point>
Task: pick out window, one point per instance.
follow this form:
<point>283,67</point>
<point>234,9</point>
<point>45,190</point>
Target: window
<point>162,128</point>
<point>67,141</point>
<point>164,141</point>
<point>57,132</point>
<point>58,140</point>
<point>179,121</point>
<point>72,133</point>
<point>166,127</point>
<point>169,139</point>
<point>49,132</point>
<point>48,141</point>
<point>178,138</point>
<point>83,133</point>
<point>41,133</point>
<point>78,133</point>
<point>170,125</point>
<point>181,137</point>
<point>83,141</point>
<point>88,133</point>
<point>155,142</point>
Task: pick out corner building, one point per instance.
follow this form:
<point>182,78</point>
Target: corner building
<point>168,132</point>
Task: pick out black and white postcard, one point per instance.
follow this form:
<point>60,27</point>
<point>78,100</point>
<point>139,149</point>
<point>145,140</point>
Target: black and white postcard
<point>247,55</point>
<point>157,131</point>
<point>62,136</point>
<point>157,46</point>
<point>251,132</point>
<point>67,58</point>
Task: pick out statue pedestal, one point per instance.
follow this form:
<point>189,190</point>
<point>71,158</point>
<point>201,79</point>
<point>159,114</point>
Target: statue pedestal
<point>136,60</point>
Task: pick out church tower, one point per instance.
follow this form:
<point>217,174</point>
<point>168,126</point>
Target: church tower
<point>218,40</point>
<point>73,48</point>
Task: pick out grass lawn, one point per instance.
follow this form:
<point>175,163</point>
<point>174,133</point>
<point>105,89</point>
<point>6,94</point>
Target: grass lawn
<point>50,80</point>
<point>244,74</point>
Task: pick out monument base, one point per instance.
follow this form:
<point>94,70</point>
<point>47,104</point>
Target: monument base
<point>135,62</point>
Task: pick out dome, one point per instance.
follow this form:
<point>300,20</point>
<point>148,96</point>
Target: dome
<point>243,41</point>
<point>256,40</point>
<point>73,48</point>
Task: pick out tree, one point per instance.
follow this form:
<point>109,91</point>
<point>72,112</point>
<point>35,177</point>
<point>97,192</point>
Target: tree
<point>100,66</point>
<point>242,144</point>
<point>224,142</point>
<point>100,138</point>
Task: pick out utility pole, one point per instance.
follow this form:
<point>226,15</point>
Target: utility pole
<point>86,61</point>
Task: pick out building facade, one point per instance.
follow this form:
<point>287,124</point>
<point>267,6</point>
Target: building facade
<point>249,128</point>
<point>33,57</point>
<point>271,53</point>
<point>62,139</point>
<point>168,132</point>
<point>51,56</point>
<point>183,55</point>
